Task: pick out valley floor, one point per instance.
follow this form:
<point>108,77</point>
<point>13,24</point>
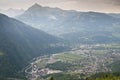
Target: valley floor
<point>85,59</point>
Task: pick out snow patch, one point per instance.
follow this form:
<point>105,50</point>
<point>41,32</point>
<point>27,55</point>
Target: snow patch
<point>52,17</point>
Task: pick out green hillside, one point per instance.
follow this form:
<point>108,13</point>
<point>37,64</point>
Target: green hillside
<point>19,43</point>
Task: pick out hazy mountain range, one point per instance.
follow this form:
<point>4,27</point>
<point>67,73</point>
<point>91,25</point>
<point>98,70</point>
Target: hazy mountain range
<point>12,12</point>
<point>42,30</point>
<point>76,27</point>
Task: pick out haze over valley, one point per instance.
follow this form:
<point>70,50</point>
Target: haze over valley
<point>52,43</point>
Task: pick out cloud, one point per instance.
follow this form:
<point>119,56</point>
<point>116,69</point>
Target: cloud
<point>107,2</point>
<point>81,5</point>
<point>97,5</point>
<point>113,2</point>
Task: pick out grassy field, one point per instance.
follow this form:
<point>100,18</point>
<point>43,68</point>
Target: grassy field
<point>113,47</point>
<point>69,57</point>
<point>110,46</point>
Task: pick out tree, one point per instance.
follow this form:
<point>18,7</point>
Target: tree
<point>51,78</point>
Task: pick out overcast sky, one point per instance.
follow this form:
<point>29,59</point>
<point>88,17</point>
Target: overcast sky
<point>80,5</point>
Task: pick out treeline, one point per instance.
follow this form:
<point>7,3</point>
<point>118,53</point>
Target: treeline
<point>98,76</point>
<point>105,76</point>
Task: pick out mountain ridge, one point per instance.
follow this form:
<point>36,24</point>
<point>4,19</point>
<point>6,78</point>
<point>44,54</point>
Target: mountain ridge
<point>19,43</point>
<point>73,26</point>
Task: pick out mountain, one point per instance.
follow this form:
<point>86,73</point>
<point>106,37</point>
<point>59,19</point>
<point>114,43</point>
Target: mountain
<point>45,18</point>
<point>12,12</point>
<point>116,15</point>
<point>20,43</point>
<point>76,27</point>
